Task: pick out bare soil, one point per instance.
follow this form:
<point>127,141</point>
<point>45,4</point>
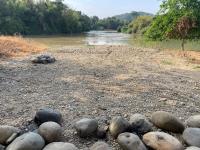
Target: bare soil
<point>99,82</point>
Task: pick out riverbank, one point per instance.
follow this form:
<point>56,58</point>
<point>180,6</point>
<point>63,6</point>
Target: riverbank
<point>98,82</point>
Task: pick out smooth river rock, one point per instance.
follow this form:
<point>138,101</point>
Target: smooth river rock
<point>167,121</point>
<point>60,146</point>
<point>7,132</point>
<point>2,147</point>
<point>162,141</point>
<point>193,121</point>
<point>27,141</point>
<point>86,127</point>
<point>192,148</point>
<point>46,115</point>
<point>100,146</point>
<point>50,131</point>
<point>129,141</point>
<point>101,133</point>
<point>140,124</point>
<point>192,136</point>
<point>118,125</point>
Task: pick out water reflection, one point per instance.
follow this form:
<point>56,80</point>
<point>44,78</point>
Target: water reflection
<point>106,38</point>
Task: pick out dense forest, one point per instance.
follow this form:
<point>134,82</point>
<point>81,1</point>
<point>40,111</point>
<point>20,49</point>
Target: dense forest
<point>30,17</point>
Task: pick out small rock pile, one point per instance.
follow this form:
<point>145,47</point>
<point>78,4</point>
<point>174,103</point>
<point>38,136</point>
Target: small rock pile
<point>139,133</point>
<point>43,59</point>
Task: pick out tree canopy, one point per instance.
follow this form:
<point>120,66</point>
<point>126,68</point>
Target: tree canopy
<point>177,19</point>
<point>31,17</point>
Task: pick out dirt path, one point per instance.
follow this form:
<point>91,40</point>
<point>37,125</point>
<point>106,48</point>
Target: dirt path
<point>99,82</point>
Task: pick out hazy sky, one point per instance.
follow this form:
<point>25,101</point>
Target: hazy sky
<point>105,8</point>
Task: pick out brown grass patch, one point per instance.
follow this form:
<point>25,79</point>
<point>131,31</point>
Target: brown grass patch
<point>191,56</point>
<point>17,46</point>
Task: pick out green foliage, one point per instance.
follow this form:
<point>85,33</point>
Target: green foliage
<point>177,19</point>
<point>40,17</point>
<point>139,25</point>
<point>30,17</point>
<point>109,23</point>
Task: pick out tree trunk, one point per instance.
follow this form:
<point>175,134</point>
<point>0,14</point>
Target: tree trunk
<point>183,45</point>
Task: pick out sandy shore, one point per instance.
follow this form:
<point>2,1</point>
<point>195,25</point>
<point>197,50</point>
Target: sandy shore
<point>98,82</point>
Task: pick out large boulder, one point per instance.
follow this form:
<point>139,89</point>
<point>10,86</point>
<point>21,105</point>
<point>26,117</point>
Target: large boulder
<point>100,146</point>
<point>167,121</point>
<point>129,141</point>
<point>46,115</point>
<point>140,124</point>
<point>162,141</point>
<point>193,121</point>
<point>192,136</point>
<point>60,146</point>
<point>6,133</point>
<point>118,125</point>
<point>50,131</point>
<point>27,141</point>
<point>86,127</point>
<point>43,59</point>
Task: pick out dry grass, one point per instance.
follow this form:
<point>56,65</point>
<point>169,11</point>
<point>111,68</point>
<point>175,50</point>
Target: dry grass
<point>11,46</point>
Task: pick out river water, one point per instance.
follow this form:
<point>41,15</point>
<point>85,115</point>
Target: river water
<point>88,38</point>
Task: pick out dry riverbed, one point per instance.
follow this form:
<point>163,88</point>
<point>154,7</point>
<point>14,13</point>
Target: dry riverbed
<point>99,82</point>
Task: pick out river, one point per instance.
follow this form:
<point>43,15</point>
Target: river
<point>110,38</point>
<point>88,38</point>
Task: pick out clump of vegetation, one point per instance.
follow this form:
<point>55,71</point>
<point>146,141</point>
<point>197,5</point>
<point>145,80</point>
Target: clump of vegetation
<point>177,19</point>
<point>17,46</point>
<point>138,26</point>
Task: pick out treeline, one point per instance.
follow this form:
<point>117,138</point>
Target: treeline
<point>31,17</point>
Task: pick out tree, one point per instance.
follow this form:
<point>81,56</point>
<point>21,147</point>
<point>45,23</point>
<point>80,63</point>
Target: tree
<point>139,25</point>
<point>177,19</point>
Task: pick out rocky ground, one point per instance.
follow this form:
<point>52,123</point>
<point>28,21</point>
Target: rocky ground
<point>98,82</point>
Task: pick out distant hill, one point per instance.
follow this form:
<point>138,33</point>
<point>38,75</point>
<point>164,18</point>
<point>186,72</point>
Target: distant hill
<point>131,16</point>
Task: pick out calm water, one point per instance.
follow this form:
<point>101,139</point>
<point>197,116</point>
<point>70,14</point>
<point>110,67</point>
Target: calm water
<point>110,38</point>
<point>89,38</point>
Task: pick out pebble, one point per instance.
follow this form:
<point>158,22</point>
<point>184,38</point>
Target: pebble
<point>118,125</point>
<point>86,127</point>
<point>167,121</point>
<point>100,146</point>
<point>46,115</point>
<point>193,121</point>
<point>161,141</point>
<point>192,136</point>
<point>60,146</point>
<point>129,141</point>
<point>140,124</point>
<point>50,131</point>
<point>27,141</point>
<point>8,134</point>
